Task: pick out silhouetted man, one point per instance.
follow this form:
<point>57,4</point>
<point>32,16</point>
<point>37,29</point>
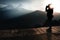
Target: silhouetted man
<point>49,11</point>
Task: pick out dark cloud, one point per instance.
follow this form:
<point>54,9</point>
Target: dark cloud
<point>12,1</point>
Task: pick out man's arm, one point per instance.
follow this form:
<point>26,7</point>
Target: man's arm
<point>46,9</point>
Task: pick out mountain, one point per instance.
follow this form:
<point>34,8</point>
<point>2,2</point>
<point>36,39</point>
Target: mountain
<point>56,16</point>
<point>7,13</point>
<point>30,20</point>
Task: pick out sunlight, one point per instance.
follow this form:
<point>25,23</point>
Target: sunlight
<point>56,5</point>
<point>37,5</point>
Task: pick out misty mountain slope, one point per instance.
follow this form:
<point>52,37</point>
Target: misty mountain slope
<point>56,16</point>
<point>38,16</point>
<point>33,19</point>
<point>6,13</point>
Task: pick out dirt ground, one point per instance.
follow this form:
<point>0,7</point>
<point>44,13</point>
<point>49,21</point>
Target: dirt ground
<point>30,34</point>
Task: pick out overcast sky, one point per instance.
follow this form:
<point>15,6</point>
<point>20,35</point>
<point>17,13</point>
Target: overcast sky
<point>26,4</point>
<point>30,4</point>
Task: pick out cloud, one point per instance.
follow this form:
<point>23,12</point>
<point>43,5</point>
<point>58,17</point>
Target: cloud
<point>14,3</point>
<point>2,5</point>
<point>6,1</point>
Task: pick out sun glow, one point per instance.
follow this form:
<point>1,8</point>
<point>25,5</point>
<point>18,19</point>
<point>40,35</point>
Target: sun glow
<point>40,5</point>
<point>56,5</point>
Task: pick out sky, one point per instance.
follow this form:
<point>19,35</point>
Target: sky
<point>30,4</point>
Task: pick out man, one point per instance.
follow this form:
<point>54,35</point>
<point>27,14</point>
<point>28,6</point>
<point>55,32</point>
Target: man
<point>49,11</point>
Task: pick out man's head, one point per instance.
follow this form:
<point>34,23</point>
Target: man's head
<point>50,6</point>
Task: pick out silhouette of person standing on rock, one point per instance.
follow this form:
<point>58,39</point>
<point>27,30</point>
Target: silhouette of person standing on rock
<point>49,11</point>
